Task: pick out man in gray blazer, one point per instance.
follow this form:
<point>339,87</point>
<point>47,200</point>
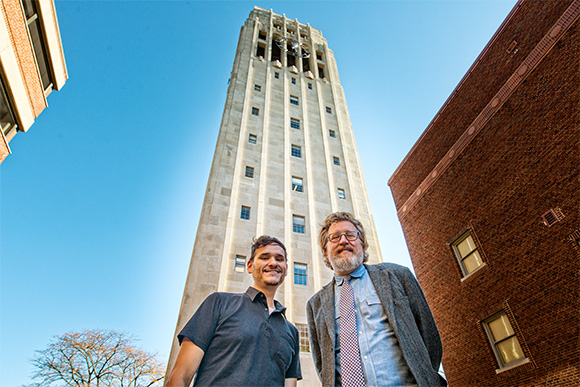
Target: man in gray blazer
<point>398,341</point>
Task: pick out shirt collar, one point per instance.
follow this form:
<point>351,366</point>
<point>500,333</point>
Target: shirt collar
<point>358,273</point>
<point>253,293</point>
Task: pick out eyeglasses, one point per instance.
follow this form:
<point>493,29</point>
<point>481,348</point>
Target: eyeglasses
<point>336,236</point>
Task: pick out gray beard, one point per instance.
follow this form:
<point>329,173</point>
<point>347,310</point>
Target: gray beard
<point>342,265</point>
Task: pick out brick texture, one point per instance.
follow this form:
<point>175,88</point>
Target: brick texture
<point>524,162</point>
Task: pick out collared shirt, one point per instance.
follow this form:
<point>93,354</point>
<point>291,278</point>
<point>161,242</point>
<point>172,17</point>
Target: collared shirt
<point>381,355</point>
<point>244,344</point>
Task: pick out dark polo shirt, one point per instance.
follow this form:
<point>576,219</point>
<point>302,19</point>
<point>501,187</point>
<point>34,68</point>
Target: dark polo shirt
<point>244,345</point>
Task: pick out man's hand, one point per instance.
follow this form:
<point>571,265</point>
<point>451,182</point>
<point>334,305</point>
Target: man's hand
<point>186,364</point>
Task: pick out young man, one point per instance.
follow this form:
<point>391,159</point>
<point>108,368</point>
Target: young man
<point>242,339</point>
<point>371,325</point>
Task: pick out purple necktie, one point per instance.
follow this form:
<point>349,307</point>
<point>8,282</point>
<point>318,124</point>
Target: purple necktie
<point>350,366</point>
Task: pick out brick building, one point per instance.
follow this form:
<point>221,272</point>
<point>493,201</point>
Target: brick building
<point>489,199</point>
<point>31,64</point>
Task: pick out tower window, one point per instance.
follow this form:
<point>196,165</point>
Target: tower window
<point>255,111</point>
<point>300,274</point>
<point>303,337</point>
<point>336,160</point>
<point>320,72</point>
<point>245,214</point>
<point>341,194</point>
<point>252,139</point>
<point>305,64</point>
<point>318,55</point>
<point>331,133</point>
<point>262,35</point>
<point>294,100</point>
<point>310,86</point>
<point>503,340</point>
<point>261,50</point>
<point>250,172</point>
<point>257,87</point>
<point>297,184</point>
<point>329,110</point>
<point>290,58</point>
<point>276,52</point>
<point>293,81</point>
<point>294,123</point>
<point>240,264</point>
<point>276,75</point>
<point>296,151</point>
<point>298,223</point>
<point>467,254</point>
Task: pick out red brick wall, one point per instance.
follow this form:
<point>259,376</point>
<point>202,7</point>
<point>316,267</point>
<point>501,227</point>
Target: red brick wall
<point>527,27</point>
<point>525,161</point>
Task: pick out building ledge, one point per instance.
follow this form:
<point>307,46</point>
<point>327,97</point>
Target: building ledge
<point>515,364</point>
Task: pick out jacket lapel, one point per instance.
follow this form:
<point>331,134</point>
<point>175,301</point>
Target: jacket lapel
<point>327,297</point>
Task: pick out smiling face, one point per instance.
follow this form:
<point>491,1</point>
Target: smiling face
<point>268,267</point>
<point>344,255</point>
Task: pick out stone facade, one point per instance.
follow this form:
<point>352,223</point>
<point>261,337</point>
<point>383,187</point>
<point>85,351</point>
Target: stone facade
<point>500,161</point>
<point>279,104</point>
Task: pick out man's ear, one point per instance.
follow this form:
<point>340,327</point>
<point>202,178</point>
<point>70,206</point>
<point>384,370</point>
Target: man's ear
<point>250,265</point>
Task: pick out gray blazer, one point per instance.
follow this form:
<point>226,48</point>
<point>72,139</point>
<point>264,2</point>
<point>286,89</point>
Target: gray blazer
<point>407,311</point>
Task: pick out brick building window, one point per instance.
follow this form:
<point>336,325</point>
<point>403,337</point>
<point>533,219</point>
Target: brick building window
<point>240,264</point>
<point>252,138</point>
<point>245,214</point>
<point>294,123</point>
<point>296,151</point>
<point>304,340</point>
<point>294,100</point>
<point>7,121</point>
<point>38,42</point>
<point>298,223</point>
<point>300,274</point>
<point>467,254</point>
<point>249,172</point>
<point>503,340</point>
<point>297,184</point>
<point>255,111</point>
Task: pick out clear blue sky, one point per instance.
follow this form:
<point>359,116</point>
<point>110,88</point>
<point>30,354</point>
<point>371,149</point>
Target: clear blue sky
<point>100,200</point>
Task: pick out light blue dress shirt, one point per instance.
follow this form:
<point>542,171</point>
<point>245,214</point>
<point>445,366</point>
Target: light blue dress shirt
<point>381,355</point>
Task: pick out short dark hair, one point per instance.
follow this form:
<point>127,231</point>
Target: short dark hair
<point>266,240</point>
<point>341,217</point>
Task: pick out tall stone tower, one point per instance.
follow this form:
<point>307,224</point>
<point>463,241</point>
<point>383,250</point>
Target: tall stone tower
<point>285,158</point>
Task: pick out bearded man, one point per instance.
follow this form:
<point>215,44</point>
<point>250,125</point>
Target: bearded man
<point>242,339</point>
<point>371,325</point>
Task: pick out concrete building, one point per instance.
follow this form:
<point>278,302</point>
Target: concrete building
<point>489,203</point>
<point>31,64</point>
<point>285,158</point>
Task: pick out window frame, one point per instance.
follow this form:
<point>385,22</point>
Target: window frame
<point>238,263</point>
<point>296,226</point>
<point>300,274</point>
<point>494,344</point>
<point>294,100</point>
<point>245,212</point>
<point>294,123</point>
<point>296,151</point>
<point>460,259</point>
<point>297,187</point>
<point>303,337</point>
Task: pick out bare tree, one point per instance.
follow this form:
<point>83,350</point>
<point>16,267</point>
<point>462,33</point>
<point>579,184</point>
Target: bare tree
<point>96,358</point>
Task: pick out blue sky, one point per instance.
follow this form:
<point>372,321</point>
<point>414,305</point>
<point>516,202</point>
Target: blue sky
<point>101,198</point>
